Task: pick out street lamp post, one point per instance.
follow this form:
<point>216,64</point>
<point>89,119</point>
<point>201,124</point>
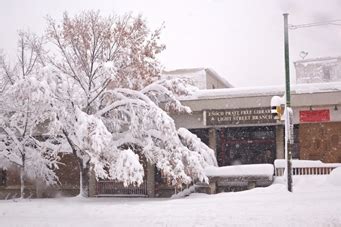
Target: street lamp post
<point>288,112</point>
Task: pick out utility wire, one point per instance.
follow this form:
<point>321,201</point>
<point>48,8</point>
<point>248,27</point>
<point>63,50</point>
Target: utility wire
<point>322,23</point>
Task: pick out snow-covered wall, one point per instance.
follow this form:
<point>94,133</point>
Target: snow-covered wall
<point>318,70</point>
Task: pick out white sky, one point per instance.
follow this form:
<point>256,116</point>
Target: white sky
<point>240,39</point>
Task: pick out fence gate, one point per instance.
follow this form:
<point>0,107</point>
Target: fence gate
<point>112,188</point>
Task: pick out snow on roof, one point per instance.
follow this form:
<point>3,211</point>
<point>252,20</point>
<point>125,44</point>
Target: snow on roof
<point>182,71</point>
<point>241,170</point>
<point>318,60</point>
<point>197,74</point>
<point>217,76</point>
<point>264,91</point>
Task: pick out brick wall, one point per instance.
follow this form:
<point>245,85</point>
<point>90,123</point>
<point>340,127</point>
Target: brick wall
<point>321,141</point>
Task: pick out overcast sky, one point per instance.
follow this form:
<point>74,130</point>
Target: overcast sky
<point>242,40</point>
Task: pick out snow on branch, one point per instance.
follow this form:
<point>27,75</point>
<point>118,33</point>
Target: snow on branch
<point>167,92</point>
<point>196,145</point>
<point>133,119</point>
<point>127,168</point>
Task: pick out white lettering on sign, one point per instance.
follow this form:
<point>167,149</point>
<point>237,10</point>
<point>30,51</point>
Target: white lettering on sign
<point>239,116</point>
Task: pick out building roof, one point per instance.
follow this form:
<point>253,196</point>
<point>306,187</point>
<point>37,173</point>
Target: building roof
<point>317,60</point>
<point>182,71</point>
<point>218,77</point>
<point>264,91</point>
<point>198,73</point>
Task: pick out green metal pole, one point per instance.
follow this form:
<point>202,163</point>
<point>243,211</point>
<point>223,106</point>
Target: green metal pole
<point>289,144</point>
<point>286,56</point>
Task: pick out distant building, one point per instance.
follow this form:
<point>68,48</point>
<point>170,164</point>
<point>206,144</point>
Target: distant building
<point>318,70</point>
<point>203,78</point>
<point>237,123</point>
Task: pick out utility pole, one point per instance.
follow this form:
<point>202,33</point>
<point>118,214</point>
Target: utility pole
<point>288,112</point>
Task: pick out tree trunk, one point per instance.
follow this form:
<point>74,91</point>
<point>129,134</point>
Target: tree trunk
<point>22,181</point>
<point>22,175</point>
<point>84,170</point>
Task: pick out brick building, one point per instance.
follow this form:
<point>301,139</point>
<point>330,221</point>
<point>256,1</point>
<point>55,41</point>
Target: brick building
<point>238,125</point>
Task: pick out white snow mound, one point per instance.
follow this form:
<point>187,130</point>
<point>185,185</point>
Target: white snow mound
<point>335,177</point>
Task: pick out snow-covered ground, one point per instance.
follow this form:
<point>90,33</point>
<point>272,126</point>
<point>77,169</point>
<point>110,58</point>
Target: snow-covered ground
<point>316,201</point>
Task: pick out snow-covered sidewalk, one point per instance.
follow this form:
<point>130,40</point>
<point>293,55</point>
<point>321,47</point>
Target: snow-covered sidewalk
<point>315,202</point>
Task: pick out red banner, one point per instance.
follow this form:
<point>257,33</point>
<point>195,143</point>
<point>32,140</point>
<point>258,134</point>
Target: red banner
<point>314,116</point>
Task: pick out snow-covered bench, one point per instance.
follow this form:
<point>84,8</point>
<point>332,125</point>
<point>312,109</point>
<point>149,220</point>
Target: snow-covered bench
<point>305,167</point>
<point>239,177</point>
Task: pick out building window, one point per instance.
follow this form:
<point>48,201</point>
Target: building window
<point>296,145</point>
<point>326,73</point>
<point>246,145</point>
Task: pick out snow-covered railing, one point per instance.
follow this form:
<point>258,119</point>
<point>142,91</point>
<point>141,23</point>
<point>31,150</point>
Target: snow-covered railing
<point>305,167</point>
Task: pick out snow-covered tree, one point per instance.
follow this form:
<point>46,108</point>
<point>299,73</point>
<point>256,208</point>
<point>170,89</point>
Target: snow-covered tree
<point>6,73</point>
<point>30,54</point>
<point>193,143</point>
<point>106,70</point>
<point>135,121</point>
<point>27,116</point>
